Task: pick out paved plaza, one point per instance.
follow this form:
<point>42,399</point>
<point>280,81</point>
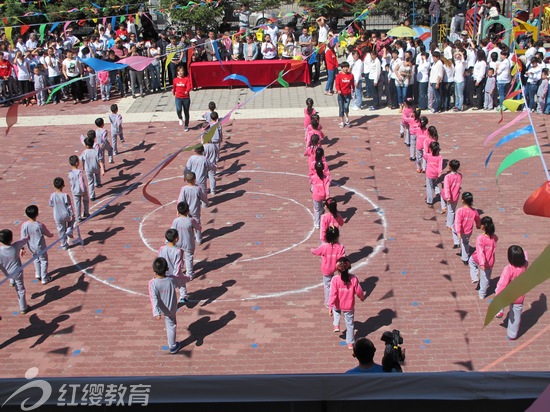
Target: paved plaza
<point>256,304</point>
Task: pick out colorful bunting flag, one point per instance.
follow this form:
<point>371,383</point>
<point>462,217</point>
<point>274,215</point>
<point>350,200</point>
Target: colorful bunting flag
<point>512,104</point>
<point>280,79</point>
<point>517,156</point>
<point>244,80</point>
<point>507,125</point>
<point>507,138</point>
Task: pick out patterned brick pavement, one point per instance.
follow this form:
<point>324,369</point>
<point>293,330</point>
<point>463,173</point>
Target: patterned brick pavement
<point>257,302</point>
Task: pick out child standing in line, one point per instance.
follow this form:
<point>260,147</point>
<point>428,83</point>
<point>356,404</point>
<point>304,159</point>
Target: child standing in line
<point>217,137</point>
<point>332,218</point>
<point>207,116</point>
<point>542,91</point>
<point>92,166</point>
<point>483,258</point>
<point>490,85</point>
<point>162,292</point>
<point>186,226</point>
<point>344,87</point>
<point>432,136</point>
<point>35,231</point>
<point>465,219</point>
<point>211,152</point>
<point>343,289</point>
<point>102,140</point>
<point>406,116</point>
<point>199,165</point>
<point>174,258</point>
<point>10,264</point>
<point>517,264</point>
<point>314,128</point>
<point>450,196</point>
<point>421,135</point>
<point>63,213</point>
<point>320,183</point>
<point>116,128</point>
<point>193,195</point>
<point>414,128</point>
<point>318,156</point>
<point>78,189</point>
<point>434,168</point>
<point>98,146</point>
<point>308,112</point>
<point>330,252</point>
<point>40,83</point>
<point>312,147</point>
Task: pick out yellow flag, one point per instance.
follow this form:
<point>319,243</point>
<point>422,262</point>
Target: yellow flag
<point>512,104</point>
<point>8,30</point>
<point>94,20</point>
<point>536,273</point>
<point>168,60</point>
<point>137,20</point>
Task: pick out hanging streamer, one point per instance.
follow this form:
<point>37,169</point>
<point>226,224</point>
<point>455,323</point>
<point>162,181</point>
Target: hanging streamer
<point>538,204</point>
<point>244,80</point>
<point>65,27</point>
<point>11,116</point>
<point>42,30</point>
<point>54,26</point>
<point>517,156</point>
<point>280,79</point>
<point>513,105</point>
<point>521,116</point>
<point>507,138</point>
<point>168,60</point>
<point>536,273</point>
<point>8,30</point>
<point>55,89</point>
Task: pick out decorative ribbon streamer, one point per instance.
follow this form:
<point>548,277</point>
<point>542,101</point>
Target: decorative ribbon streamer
<point>512,104</point>
<point>280,79</point>
<point>243,79</point>
<point>8,31</point>
<point>11,116</point>
<point>160,167</point>
<point>54,26</point>
<point>23,29</point>
<point>138,63</point>
<point>517,156</point>
<point>507,138</point>
<point>521,116</point>
<point>207,137</point>
<point>76,79</point>
<point>217,54</point>
<point>65,27</point>
<point>538,204</point>
<point>101,65</point>
<point>536,273</point>
<point>313,58</point>
<point>41,30</point>
<point>168,60</point>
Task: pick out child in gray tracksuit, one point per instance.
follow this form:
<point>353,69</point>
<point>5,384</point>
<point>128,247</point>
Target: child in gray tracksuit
<point>186,227</point>
<point>490,85</point>
<point>10,264</point>
<point>199,165</point>
<point>116,128</point>
<point>62,212</point>
<point>542,91</point>
<point>193,195</point>
<point>90,164</point>
<point>174,257</point>
<point>102,141</point>
<point>35,232</point>
<point>162,292</point>
<point>78,189</point>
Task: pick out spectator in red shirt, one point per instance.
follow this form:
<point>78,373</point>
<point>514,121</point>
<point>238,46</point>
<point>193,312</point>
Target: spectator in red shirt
<point>344,88</point>
<point>180,89</point>
<point>331,63</point>
<point>121,31</point>
<point>5,72</point>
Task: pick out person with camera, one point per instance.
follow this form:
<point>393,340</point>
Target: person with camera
<point>363,351</point>
<point>394,356</point>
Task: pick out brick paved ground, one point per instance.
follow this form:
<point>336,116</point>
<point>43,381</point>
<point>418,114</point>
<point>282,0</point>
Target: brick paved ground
<point>257,303</point>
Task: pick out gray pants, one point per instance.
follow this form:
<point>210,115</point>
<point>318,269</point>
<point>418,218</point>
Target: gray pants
<point>136,79</point>
<point>348,318</point>
<point>318,210</point>
<point>406,133</point>
<point>212,179</point>
<point>64,230</point>
<point>483,275</point>
<point>431,189</point>
<point>451,211</point>
<point>412,148</point>
<point>181,283</point>
<point>94,179</point>
<point>419,159</point>
<point>188,256</point>
<point>198,233</point>
<point>171,324</point>
<point>20,289</point>
<point>465,247</point>
<point>114,137</point>
<point>79,201</point>
<point>326,287</point>
<point>41,266</point>
<point>92,87</point>
<point>203,187</point>
<point>488,103</point>
<point>514,320</point>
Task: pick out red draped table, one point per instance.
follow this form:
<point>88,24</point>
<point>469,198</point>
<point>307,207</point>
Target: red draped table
<point>258,72</point>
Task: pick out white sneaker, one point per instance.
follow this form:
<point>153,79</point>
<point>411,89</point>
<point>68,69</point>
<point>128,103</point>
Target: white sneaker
<point>354,108</point>
<point>181,122</point>
<point>341,125</point>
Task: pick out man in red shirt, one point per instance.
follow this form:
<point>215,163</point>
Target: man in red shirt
<point>180,89</point>
<point>344,88</point>
<point>5,72</point>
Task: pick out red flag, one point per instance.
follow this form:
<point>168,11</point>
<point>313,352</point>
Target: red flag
<point>11,116</point>
<point>24,29</point>
<point>538,204</point>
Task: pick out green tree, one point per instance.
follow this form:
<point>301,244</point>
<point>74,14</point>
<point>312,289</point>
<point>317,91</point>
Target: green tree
<point>203,16</point>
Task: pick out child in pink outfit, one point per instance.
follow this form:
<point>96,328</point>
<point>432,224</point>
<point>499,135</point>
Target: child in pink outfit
<point>414,129</point>
<point>483,258</point>
<point>450,196</point>
<point>465,219</point>
<point>320,183</point>
<point>318,156</point>
<point>343,289</point>
<point>308,112</point>
<point>311,145</point>
<point>406,116</point>
<point>421,135</point>
<point>518,263</point>
<point>332,218</point>
<point>314,128</point>
<point>330,252</point>
<point>434,168</point>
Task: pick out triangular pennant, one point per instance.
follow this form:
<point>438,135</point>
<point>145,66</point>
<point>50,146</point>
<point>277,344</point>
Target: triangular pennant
<point>513,105</point>
<point>517,156</point>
